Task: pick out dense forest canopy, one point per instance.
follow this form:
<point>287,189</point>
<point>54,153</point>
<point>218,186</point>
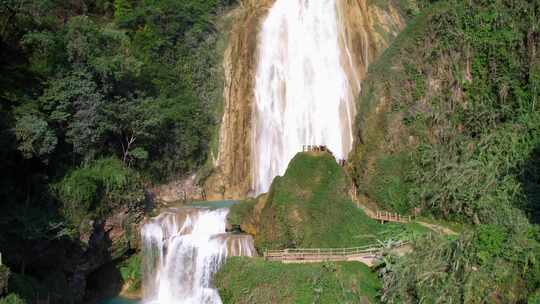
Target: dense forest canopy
<point>100,99</point>
<point>97,99</point>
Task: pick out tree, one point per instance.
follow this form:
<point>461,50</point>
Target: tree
<point>35,138</point>
<point>138,120</point>
<point>75,104</point>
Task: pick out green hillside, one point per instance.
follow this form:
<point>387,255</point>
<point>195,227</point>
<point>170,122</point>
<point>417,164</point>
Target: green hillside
<point>449,124</point>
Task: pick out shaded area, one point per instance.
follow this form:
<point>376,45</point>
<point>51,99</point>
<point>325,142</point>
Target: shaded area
<point>530,182</point>
<point>119,301</point>
<point>104,283</point>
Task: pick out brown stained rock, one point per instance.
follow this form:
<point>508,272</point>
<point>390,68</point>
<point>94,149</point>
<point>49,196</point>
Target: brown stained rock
<point>366,31</point>
<point>232,175</point>
<point>182,189</point>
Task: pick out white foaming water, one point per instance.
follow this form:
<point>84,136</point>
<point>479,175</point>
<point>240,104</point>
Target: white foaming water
<point>303,96</point>
<point>182,249</point>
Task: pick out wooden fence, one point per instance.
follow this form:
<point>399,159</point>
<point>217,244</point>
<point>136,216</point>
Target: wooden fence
<point>327,254</point>
<point>391,217</point>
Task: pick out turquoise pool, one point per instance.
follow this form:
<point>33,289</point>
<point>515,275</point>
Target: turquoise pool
<point>214,204</point>
<point>119,301</point>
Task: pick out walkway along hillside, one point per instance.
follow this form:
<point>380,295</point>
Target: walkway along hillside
<point>368,255</point>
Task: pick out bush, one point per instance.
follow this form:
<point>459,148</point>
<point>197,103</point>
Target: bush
<point>12,299</point>
<point>469,269</point>
<point>97,188</point>
<point>131,272</point>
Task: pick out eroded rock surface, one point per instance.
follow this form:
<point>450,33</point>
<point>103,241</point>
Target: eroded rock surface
<point>366,31</point>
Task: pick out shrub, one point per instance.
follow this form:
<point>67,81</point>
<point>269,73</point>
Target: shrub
<point>131,271</point>
<point>97,188</point>
<point>12,299</point>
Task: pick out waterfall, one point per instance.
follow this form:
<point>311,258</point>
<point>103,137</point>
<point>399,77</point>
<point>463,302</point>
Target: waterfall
<point>304,87</point>
<point>182,249</point>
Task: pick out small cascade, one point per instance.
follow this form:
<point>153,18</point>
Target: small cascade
<point>182,249</point>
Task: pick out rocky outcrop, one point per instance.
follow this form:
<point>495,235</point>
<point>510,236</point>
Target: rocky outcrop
<point>105,241</point>
<point>181,190</point>
<point>366,31</point>
<point>232,175</point>
<point>61,266</point>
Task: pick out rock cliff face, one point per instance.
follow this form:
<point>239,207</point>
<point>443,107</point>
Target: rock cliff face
<point>62,266</point>
<point>180,190</point>
<point>107,240</point>
<point>232,177</point>
<point>366,30</point>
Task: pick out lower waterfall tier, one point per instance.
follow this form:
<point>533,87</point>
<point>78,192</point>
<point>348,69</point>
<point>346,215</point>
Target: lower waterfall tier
<point>182,249</point>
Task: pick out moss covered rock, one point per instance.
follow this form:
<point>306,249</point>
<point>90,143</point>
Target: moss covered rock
<point>309,206</point>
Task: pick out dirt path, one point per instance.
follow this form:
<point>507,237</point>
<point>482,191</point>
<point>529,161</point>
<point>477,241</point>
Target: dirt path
<point>438,228</point>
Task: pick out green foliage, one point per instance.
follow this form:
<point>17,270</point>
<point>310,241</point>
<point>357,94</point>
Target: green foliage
<point>35,137</point>
<point>489,242</point>
<point>97,188</point>
<point>131,271</point>
<point>241,211</point>
<point>390,184</point>
<point>534,299</point>
<point>310,207</point>
<point>93,95</point>
<point>26,287</point>
<point>477,267</point>
<point>475,125</point>
<point>12,299</point>
<point>459,88</point>
<point>243,280</point>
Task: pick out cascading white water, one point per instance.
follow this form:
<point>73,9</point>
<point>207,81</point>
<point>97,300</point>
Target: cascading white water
<point>182,249</point>
<point>303,94</point>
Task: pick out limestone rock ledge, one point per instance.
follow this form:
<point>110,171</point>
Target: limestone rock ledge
<point>232,174</point>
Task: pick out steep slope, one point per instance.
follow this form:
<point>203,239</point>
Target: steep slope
<point>308,207</point>
<point>449,124</point>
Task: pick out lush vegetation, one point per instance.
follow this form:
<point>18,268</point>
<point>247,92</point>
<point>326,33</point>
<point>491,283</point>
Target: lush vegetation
<point>12,299</point>
<point>131,272</point>
<point>97,99</point>
<point>450,126</point>
<point>310,207</point>
<point>243,280</point>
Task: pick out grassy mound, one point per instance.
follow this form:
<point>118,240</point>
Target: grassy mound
<point>308,207</point>
<point>243,280</point>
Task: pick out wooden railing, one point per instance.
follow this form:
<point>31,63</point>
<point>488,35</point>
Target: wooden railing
<point>315,148</point>
<point>382,216</point>
<point>391,217</point>
<point>326,254</point>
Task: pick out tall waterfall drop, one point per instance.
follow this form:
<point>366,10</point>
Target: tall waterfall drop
<point>304,87</point>
<point>182,249</point>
